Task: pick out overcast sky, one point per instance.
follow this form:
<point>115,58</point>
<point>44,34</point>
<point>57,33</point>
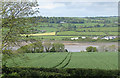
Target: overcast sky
<point>78,9</point>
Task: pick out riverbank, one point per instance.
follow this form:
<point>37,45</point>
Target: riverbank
<point>72,46</point>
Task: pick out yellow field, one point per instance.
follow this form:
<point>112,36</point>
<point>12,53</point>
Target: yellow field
<point>51,33</point>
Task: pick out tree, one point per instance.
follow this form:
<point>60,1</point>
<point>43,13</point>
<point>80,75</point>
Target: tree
<point>47,46</point>
<point>31,48</point>
<point>58,47</point>
<point>14,19</point>
<point>52,49</point>
<point>91,49</point>
<point>36,47</point>
<point>14,22</point>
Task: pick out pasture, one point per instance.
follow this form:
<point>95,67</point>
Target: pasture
<point>89,60</point>
<point>74,33</point>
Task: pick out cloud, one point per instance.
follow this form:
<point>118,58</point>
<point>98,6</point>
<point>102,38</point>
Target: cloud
<point>78,9</point>
<point>78,0</point>
<point>49,5</point>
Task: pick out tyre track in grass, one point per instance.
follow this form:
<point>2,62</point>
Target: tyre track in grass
<point>61,61</point>
<point>68,61</point>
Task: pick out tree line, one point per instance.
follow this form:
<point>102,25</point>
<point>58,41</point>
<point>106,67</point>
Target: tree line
<point>38,47</point>
<point>74,19</point>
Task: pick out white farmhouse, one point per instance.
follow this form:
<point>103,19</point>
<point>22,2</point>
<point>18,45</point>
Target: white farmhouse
<point>62,22</point>
<point>83,37</point>
<point>112,37</point>
<point>76,38</point>
<point>109,37</point>
<point>95,38</point>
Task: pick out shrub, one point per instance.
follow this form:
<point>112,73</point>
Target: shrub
<point>31,48</point>
<point>91,49</point>
<point>27,72</point>
<point>52,49</point>
<point>6,51</point>
<point>59,47</point>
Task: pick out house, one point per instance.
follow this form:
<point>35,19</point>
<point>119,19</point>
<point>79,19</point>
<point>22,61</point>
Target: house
<point>62,22</point>
<point>43,31</point>
<point>95,38</point>
<point>76,38</point>
<point>109,37</point>
<point>83,37</point>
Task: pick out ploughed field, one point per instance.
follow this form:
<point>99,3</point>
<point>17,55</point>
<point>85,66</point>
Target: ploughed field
<point>88,60</point>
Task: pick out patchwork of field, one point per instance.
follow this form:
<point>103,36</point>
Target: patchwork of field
<point>91,60</point>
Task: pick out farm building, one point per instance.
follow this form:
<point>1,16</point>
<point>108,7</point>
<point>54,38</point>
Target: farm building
<point>76,38</point>
<point>43,31</point>
<point>95,38</point>
<point>109,37</point>
<point>83,37</point>
<point>62,22</point>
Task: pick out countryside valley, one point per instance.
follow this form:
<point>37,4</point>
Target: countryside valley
<point>58,47</point>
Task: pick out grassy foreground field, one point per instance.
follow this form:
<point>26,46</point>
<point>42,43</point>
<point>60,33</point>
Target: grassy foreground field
<point>92,60</point>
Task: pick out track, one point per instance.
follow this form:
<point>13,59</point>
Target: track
<point>68,61</point>
<point>64,62</point>
<point>61,61</point>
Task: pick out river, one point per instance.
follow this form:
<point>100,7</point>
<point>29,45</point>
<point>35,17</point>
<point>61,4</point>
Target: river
<point>78,46</point>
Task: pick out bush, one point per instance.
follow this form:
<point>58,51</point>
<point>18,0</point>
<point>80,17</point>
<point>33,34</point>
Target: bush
<point>31,48</point>
<point>58,47</point>
<point>24,49</point>
<point>52,49</point>
<point>91,49</point>
<point>6,51</point>
<point>16,72</point>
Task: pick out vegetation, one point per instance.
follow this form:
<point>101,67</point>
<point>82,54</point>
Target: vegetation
<point>64,27</point>
<point>31,48</point>
<point>57,73</point>
<point>17,25</point>
<point>47,46</point>
<point>13,21</point>
<point>52,33</point>
<point>91,49</point>
<point>87,60</point>
<point>38,47</point>
<point>58,47</point>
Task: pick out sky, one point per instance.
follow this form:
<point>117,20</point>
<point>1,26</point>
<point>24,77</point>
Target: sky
<point>77,9</point>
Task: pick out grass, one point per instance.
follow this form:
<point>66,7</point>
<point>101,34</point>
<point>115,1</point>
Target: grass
<point>73,33</point>
<point>50,37</point>
<point>92,60</point>
<point>97,60</point>
<point>99,29</point>
<point>48,29</point>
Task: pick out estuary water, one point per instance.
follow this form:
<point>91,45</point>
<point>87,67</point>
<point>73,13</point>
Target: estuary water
<point>78,46</point>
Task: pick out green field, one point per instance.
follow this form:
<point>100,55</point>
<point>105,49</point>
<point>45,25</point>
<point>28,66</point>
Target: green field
<point>50,37</point>
<point>92,27</point>
<point>92,60</point>
<point>73,33</point>
<point>99,29</point>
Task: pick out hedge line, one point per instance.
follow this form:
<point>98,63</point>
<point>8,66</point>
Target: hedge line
<point>21,72</point>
